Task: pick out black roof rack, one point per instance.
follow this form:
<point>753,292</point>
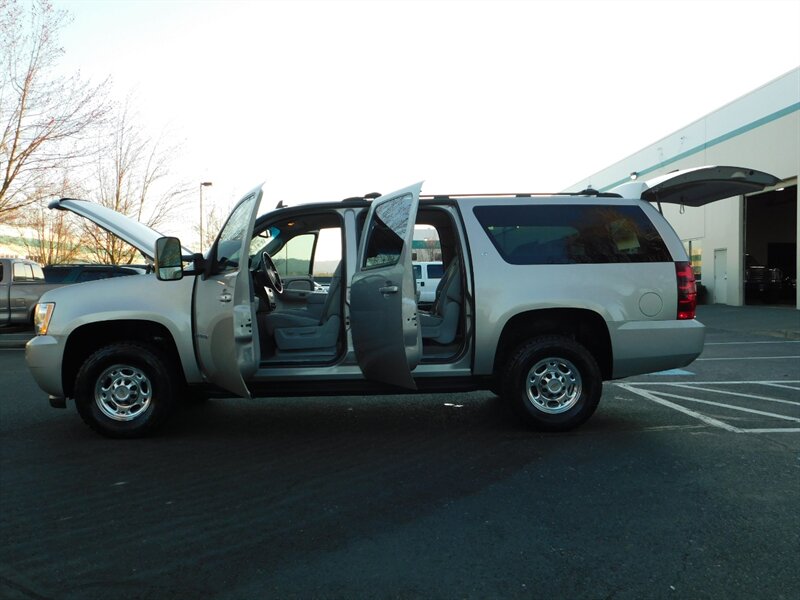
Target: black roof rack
<point>370,196</point>
<point>442,197</point>
<point>586,192</point>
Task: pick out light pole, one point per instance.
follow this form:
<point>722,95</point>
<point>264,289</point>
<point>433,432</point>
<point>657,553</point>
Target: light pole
<point>202,185</point>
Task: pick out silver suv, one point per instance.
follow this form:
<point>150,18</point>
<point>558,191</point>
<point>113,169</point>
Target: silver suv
<point>543,297</point>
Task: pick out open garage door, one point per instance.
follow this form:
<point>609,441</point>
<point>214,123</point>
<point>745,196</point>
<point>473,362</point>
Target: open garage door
<point>770,262</point>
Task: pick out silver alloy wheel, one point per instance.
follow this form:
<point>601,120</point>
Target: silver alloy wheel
<point>554,385</point>
<point>123,392</point>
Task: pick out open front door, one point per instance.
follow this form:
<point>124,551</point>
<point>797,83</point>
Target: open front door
<point>383,307</point>
<point>226,330</point>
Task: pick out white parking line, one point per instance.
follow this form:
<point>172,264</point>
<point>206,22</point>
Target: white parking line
<point>775,382</point>
<point>730,407</point>
<point>748,358</point>
<point>658,398</point>
<point>705,419</point>
<point>786,387</point>
<point>779,430</point>
<point>729,393</point>
<point>748,343</point>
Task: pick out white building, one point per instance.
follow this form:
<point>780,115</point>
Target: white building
<point>761,131</point>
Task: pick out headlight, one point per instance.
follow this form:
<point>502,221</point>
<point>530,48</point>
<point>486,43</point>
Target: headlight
<point>42,316</point>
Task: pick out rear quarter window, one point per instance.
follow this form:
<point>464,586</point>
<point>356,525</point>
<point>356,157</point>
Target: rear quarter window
<point>572,234</point>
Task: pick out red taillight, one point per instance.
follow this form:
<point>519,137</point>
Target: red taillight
<point>687,290</point>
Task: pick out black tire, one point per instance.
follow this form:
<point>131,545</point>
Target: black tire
<point>126,390</point>
<point>553,383</point>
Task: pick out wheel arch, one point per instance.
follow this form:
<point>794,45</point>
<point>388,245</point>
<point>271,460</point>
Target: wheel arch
<point>585,326</point>
<point>88,338</point>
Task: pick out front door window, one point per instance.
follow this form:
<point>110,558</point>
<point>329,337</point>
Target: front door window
<point>388,232</point>
<point>229,243</point>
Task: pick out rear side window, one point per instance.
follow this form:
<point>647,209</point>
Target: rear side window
<point>571,234</point>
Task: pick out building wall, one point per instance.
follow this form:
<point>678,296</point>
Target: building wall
<point>761,131</point>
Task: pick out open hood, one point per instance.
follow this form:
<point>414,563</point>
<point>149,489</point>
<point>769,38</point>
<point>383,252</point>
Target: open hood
<point>137,234</point>
<point>698,186</point>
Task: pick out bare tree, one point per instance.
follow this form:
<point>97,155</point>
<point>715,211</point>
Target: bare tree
<point>434,249</point>
<point>56,238</point>
<point>44,118</point>
<point>430,251</point>
<point>132,178</point>
<point>213,220</point>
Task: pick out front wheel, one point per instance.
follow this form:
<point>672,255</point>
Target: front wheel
<point>125,390</point>
<point>553,383</point>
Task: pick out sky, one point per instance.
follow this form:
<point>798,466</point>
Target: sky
<point>325,100</point>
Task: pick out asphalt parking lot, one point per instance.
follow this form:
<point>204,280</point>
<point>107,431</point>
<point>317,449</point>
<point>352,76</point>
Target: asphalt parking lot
<point>746,381</point>
<point>685,484</point>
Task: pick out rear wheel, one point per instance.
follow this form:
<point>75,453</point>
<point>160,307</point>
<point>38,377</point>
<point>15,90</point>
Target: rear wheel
<point>553,383</point>
<point>125,390</point>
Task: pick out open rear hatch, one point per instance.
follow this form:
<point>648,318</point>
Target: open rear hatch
<point>699,186</point>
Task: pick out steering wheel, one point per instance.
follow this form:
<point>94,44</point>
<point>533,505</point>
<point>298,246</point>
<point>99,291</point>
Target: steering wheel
<point>271,272</point>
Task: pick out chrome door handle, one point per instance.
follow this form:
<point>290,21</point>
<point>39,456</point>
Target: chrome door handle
<point>389,289</point>
<point>225,297</point>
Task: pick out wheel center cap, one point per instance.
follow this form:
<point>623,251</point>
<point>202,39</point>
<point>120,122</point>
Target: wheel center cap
<point>554,386</point>
<point>122,394</point>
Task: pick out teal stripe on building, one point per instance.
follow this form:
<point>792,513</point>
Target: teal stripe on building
<point>718,140</point>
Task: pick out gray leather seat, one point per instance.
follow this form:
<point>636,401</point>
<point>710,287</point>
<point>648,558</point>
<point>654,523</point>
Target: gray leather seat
<point>292,330</point>
<point>440,324</point>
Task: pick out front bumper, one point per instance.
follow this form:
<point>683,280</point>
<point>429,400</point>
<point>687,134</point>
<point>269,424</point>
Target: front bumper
<point>44,354</point>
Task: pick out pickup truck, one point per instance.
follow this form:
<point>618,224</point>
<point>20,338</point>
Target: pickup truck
<point>22,282</point>
<point>543,297</point>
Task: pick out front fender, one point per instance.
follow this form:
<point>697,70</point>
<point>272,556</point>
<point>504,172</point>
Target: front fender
<point>133,298</point>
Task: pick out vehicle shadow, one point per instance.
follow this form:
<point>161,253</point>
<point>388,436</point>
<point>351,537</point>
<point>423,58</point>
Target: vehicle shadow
<point>257,488</point>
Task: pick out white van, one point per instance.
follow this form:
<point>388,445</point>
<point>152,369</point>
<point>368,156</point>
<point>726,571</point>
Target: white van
<point>427,276</point>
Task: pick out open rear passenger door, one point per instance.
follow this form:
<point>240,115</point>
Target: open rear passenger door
<point>383,309</point>
<point>225,326</point>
